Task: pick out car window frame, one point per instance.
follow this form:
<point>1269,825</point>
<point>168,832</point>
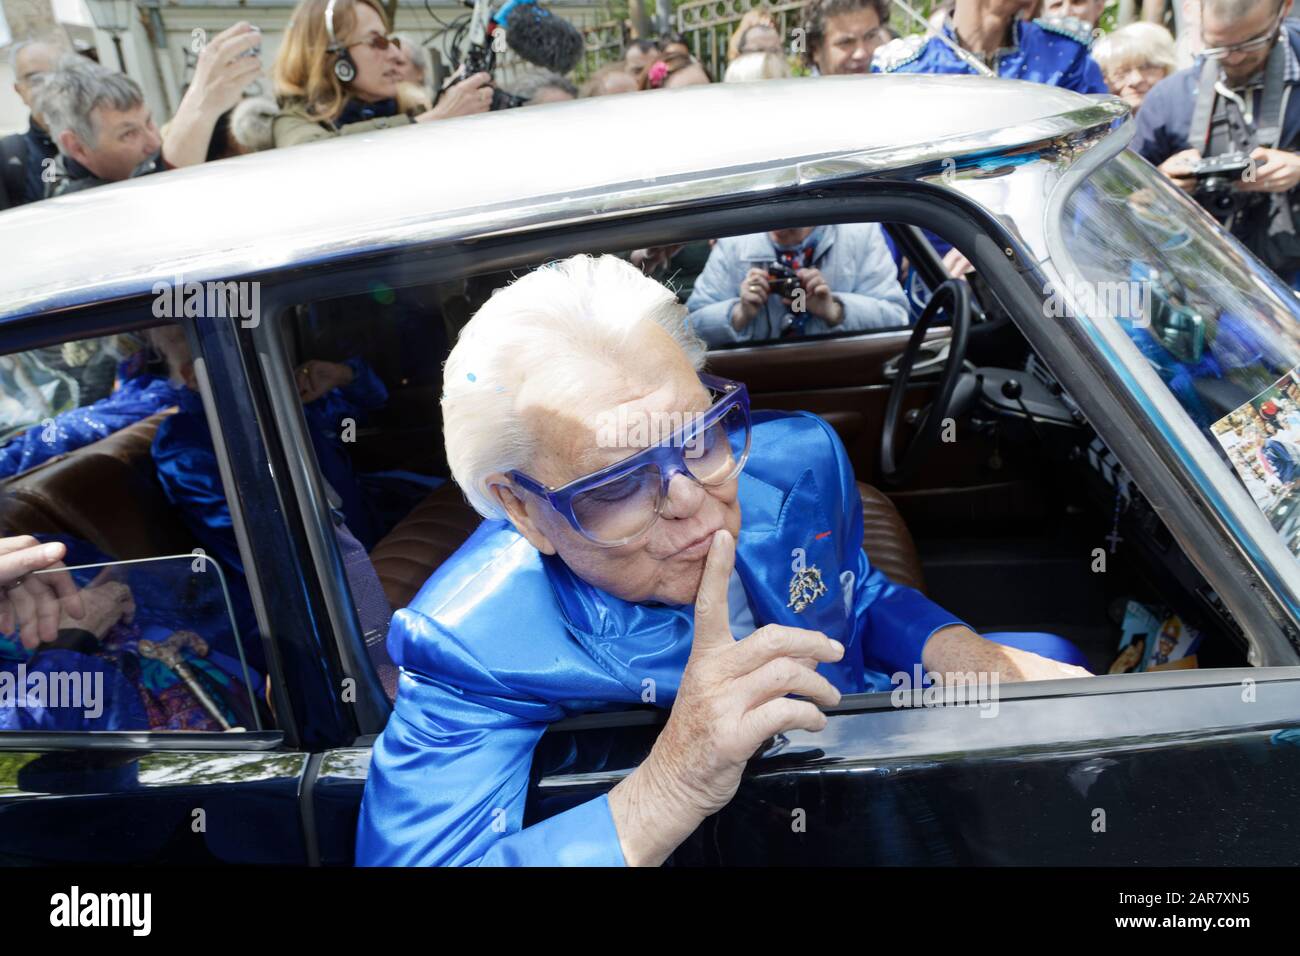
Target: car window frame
<point>98,320</point>
<point>1013,275</point>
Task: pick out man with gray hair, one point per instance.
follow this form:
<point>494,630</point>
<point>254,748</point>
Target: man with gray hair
<point>649,541</point>
<point>101,124</point>
<point>23,155</point>
<point>1236,101</point>
<point>105,131</point>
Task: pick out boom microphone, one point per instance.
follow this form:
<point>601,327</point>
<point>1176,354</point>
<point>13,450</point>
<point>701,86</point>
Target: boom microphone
<point>540,37</point>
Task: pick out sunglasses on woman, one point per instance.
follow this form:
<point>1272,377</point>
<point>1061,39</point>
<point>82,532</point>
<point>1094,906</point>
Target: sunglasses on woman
<point>617,504</point>
<point>377,41</point>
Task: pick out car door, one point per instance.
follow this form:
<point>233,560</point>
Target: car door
<point>127,789</point>
<point>1154,769</point>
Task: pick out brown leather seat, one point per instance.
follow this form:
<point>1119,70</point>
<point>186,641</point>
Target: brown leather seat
<point>106,494</point>
<point>887,541</point>
<point>441,523</point>
<point>422,541</point>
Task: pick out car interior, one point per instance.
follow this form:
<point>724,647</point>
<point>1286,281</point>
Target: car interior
<point>1011,512</point>
<point>1018,519</point>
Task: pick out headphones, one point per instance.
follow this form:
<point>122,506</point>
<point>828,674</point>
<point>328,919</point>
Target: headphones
<point>345,71</point>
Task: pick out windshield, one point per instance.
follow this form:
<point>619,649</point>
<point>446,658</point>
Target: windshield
<point>1218,329</point>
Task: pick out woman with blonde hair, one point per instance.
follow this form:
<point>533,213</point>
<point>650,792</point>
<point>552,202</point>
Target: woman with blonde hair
<point>1135,58</point>
<point>339,70</point>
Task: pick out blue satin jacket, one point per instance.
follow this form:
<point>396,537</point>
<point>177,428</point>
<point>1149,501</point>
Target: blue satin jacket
<point>502,641</point>
<point>1043,52</point>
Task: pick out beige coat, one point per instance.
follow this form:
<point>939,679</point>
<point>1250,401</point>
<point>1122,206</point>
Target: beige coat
<point>291,127</point>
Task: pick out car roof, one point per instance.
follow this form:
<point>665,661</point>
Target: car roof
<point>500,172</point>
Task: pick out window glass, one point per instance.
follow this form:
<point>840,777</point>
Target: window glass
<point>118,466</point>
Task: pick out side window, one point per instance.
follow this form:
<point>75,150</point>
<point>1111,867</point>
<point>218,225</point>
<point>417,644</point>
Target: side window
<point>368,371</point>
<point>106,451</point>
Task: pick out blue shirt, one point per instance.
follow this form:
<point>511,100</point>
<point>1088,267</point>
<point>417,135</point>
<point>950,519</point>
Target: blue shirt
<point>1041,51</point>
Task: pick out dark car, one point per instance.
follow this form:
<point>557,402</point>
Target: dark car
<point>1039,458</point>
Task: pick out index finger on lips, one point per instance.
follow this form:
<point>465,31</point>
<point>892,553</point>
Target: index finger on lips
<point>712,622</point>
<point>768,643</point>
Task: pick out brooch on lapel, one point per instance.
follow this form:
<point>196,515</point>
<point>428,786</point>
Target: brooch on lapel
<point>805,587</point>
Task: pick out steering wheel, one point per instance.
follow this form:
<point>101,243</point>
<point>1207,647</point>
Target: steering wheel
<point>955,294</point>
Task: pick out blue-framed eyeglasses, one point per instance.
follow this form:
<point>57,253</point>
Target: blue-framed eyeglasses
<point>618,504</point>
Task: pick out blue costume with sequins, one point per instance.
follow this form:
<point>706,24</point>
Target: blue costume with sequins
<point>502,641</point>
<point>1042,51</point>
<point>138,397</point>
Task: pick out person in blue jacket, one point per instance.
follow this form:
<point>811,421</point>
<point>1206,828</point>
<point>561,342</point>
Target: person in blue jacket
<point>335,397</point>
<point>615,569</point>
<point>143,390</point>
<point>1053,51</point>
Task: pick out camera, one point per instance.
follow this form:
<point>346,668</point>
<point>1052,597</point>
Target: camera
<point>784,280</point>
<point>1217,174</point>
<point>480,59</point>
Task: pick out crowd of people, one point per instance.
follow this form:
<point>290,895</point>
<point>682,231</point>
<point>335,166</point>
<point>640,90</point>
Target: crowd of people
<point>340,70</point>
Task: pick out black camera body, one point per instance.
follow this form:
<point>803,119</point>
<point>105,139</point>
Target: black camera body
<point>481,59</point>
<point>1218,174</point>
<point>783,280</point>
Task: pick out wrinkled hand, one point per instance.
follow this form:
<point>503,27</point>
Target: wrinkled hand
<point>958,649</point>
<point>754,290</point>
<point>733,694</point>
<point>31,603</point>
<point>106,603</point>
<point>1025,665</point>
<point>222,73</point>
<point>464,98</point>
<point>821,302</point>
<point>315,377</point>
<point>1178,168</point>
<point>1275,171</point>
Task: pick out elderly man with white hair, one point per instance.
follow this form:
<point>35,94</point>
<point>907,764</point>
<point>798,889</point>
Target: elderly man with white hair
<point>648,540</point>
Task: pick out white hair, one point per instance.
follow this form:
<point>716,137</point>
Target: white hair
<point>1134,45</point>
<point>559,320</point>
<point>766,65</point>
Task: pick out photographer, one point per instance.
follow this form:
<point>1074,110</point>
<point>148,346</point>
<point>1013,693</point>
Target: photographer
<point>1226,129</point>
<point>795,282</point>
<point>339,71</point>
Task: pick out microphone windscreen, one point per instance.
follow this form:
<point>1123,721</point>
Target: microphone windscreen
<point>543,39</point>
